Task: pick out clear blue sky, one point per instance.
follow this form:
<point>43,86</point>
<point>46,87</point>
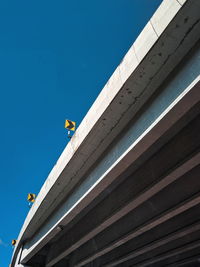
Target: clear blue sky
<point>55,57</point>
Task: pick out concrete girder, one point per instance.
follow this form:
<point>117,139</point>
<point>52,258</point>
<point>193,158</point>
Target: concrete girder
<point>153,223</point>
<point>190,261</point>
<point>170,254</point>
<point>175,235</point>
<point>131,187</point>
<point>175,112</point>
<point>132,204</point>
<point>170,178</point>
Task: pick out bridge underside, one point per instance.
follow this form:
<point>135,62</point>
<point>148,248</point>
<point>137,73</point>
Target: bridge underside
<point>150,215</point>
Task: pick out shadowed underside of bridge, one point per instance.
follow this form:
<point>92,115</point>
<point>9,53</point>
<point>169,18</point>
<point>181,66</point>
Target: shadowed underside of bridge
<point>150,216</point>
<point>128,193</point>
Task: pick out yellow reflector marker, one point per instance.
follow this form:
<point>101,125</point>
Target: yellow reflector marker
<point>70,125</point>
<point>31,197</point>
<point>14,241</point>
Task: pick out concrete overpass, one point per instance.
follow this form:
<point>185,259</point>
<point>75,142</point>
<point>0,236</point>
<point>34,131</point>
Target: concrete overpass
<point>126,189</point>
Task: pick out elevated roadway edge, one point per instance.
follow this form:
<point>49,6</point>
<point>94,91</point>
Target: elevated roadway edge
<point>152,95</point>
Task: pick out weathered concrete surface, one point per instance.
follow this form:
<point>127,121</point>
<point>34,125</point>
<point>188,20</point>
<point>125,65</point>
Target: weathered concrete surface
<point>157,50</point>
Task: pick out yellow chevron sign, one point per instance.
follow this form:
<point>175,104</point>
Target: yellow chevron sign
<point>70,125</point>
<point>31,197</point>
<point>14,241</point>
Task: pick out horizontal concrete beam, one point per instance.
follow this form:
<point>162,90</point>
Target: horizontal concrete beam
<point>189,261</point>
<point>169,238</point>
<point>173,176</point>
<point>170,254</point>
<point>144,228</point>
